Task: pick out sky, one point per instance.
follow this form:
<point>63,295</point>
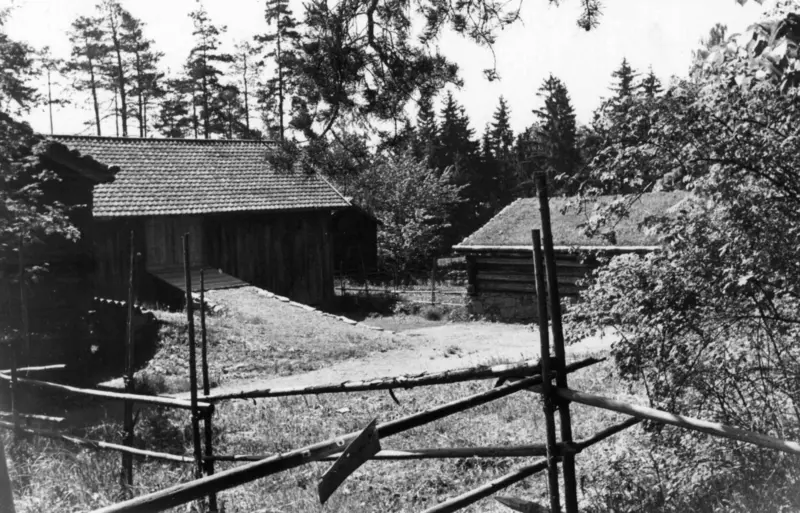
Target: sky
<point>650,33</point>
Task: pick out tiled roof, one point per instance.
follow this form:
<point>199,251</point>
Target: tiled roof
<point>189,176</point>
<point>512,226</point>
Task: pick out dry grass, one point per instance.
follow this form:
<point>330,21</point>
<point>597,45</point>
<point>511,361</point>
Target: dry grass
<point>52,477</point>
<point>259,337</point>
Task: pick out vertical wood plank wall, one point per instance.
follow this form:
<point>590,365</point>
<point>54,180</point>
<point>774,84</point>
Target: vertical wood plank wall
<point>288,253</point>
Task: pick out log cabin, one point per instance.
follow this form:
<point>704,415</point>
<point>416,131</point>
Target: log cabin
<point>248,222</point>
<point>355,240</point>
<point>500,261</point>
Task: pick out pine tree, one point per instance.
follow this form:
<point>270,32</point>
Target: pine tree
<point>112,13</point>
<point>51,66</point>
<point>144,64</point>
<point>247,70</point>
<point>203,71</point>
<point>173,118</point>
<point>88,54</point>
<point>556,137</point>
<point>280,44</point>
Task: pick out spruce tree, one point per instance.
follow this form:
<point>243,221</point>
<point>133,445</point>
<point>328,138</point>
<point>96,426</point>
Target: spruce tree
<point>651,85</point>
<point>502,171</point>
<point>556,137</point>
<point>624,77</point>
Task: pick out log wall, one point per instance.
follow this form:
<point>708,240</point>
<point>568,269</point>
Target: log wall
<point>501,284</point>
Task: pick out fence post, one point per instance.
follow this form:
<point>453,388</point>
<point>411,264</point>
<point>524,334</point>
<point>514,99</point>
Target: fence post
<point>198,456</point>
<point>127,419</point>
<point>12,349</point>
<point>6,492</point>
<point>547,389</point>
<point>366,278</point>
<point>433,282</point>
<point>209,463</point>
<point>568,465</point>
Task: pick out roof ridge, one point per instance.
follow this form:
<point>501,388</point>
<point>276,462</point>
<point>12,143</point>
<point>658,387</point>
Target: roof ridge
<point>265,142</point>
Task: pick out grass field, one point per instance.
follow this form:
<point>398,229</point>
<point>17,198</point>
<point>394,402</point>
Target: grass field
<point>50,476</point>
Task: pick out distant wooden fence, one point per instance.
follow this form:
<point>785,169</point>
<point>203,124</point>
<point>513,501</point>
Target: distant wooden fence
<point>548,377</point>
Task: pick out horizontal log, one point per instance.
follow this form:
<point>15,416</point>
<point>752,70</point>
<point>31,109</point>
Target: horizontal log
<point>703,426</point>
<point>493,286</point>
<point>31,416</point>
<point>59,366</point>
<point>559,248</point>
<point>407,381</point>
<point>95,444</point>
<point>525,260</point>
<point>484,277</point>
<point>488,489</point>
<point>117,396</point>
<point>186,492</point>
<point>509,479</point>
<point>423,454</point>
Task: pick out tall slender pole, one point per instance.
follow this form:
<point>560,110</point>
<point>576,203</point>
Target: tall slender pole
<point>568,466</point>
<point>547,388</point>
<point>6,492</point>
<point>207,430</point>
<point>23,301</point>
<point>198,455</point>
<point>127,459</point>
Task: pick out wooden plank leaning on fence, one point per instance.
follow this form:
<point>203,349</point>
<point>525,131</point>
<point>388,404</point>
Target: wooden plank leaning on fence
<point>154,400</point>
<point>187,492</point>
<point>525,368</point>
<point>6,492</point>
<point>99,444</point>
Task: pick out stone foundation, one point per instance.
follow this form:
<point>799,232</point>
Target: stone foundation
<point>503,307</point>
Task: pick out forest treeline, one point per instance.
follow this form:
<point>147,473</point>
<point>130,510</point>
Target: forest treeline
<point>276,86</point>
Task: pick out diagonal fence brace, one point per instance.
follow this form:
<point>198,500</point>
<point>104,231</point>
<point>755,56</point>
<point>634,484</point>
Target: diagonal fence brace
<point>360,450</point>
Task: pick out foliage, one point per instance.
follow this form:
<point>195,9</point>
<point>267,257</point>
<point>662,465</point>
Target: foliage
<point>709,324</point>
<point>413,203</point>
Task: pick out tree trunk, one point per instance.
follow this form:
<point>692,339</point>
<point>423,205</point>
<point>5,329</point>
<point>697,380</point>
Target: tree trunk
<point>246,102</point>
<point>120,72</point>
<point>279,62</point>
<point>93,86</point>
<point>139,83</point>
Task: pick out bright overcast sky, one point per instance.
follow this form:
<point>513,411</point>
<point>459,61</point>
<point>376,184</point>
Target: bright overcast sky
<point>657,33</point>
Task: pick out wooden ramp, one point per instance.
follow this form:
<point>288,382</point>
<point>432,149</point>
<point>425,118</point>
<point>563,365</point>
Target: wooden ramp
<point>214,279</point>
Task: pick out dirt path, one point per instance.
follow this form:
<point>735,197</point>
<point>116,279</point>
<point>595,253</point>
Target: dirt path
<point>432,349</point>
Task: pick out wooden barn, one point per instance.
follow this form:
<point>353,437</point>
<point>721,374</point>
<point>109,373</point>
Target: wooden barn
<point>355,240</point>
<point>499,255</point>
<point>46,289</point>
<point>247,221</point>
